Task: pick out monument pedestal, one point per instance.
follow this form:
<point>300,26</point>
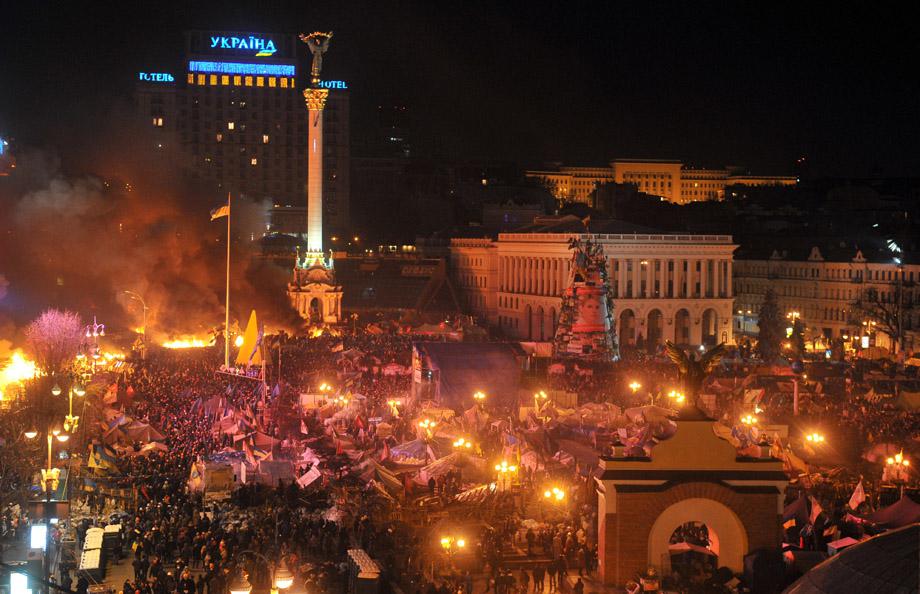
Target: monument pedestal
<point>313,291</point>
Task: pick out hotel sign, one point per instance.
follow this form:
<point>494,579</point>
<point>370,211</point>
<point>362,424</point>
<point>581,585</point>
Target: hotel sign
<point>333,84</point>
<point>260,45</point>
<point>155,77</point>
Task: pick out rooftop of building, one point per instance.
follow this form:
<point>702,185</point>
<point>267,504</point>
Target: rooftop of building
<point>823,249</point>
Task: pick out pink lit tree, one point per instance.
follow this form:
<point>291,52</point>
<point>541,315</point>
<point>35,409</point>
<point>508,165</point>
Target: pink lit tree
<point>54,339</point>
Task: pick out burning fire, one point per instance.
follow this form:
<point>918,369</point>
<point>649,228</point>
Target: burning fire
<point>187,343</point>
<point>17,370</point>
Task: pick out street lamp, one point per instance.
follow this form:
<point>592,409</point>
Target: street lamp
<point>554,495</point>
<point>463,444</point>
<point>480,397</point>
<point>634,386</point>
<point>676,396</point>
<point>814,438</point>
<point>427,425</point>
<point>71,421</point>
<point>539,400</point>
<point>281,576</point>
<point>506,474</point>
<point>394,407</point>
<point>137,297</point>
<point>452,544</point>
<point>749,420</point>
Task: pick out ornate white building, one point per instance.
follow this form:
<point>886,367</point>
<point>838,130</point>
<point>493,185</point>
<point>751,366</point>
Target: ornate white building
<point>821,287</point>
<point>665,286</point>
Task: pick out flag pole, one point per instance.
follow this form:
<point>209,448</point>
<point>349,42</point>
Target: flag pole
<point>227,296</point>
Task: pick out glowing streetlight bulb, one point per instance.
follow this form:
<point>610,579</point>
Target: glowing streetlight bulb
<point>634,386</point>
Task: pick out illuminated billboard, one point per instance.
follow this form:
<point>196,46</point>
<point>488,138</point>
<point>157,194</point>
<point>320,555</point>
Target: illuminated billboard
<point>333,84</point>
<point>240,68</point>
<point>241,45</point>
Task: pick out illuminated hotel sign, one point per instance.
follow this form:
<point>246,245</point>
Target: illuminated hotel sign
<point>263,47</point>
<point>241,68</point>
<point>333,84</point>
<point>155,77</point>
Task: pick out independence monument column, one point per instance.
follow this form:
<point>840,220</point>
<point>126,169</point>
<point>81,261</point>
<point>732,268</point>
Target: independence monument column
<point>316,101</point>
<point>313,290</point>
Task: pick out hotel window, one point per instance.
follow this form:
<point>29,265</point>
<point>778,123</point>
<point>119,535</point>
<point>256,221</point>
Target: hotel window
<point>158,122</point>
<point>237,80</point>
<point>248,81</point>
<point>254,161</point>
<point>231,125</point>
<point>284,83</point>
<point>190,78</point>
<point>201,79</point>
<point>260,81</point>
<point>220,137</point>
<point>265,139</point>
<point>224,79</point>
<point>272,81</point>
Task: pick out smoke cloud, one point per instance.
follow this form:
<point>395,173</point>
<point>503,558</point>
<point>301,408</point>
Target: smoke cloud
<point>128,221</point>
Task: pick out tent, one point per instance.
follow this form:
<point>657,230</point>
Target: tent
<point>473,468</point>
<point>211,477</point>
<point>140,431</point>
<point>908,400</point>
<point>416,451</point>
<point>902,512</point>
<point>274,471</point>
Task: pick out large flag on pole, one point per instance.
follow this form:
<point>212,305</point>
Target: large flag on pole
<point>220,212</point>
<point>816,510</point>
<point>859,495</point>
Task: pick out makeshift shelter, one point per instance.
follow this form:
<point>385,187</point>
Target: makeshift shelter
<point>885,563</point>
<point>472,468</point>
<point>210,477</point>
<point>273,472</point>
<point>451,372</point>
<point>140,431</point>
<point>415,452</point>
<point>901,513</point>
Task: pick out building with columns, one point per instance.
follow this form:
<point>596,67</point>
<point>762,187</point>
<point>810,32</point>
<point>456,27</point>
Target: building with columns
<point>665,286</point>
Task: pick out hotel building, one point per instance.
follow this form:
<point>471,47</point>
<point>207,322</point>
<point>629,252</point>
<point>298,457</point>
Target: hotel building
<point>233,115</point>
<point>665,286</point>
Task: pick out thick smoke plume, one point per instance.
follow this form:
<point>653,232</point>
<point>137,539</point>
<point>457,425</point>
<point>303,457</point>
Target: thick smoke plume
<point>128,221</point>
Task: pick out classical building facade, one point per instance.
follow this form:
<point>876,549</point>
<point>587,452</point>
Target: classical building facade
<point>823,291</point>
<point>665,286</point>
<point>668,179</point>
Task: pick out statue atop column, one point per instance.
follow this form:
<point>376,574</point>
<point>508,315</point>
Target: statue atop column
<point>318,43</point>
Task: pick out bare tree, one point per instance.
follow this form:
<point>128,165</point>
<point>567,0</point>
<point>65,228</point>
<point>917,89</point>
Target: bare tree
<point>53,339</point>
<point>888,310</point>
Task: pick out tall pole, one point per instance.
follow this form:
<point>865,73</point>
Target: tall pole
<point>227,296</point>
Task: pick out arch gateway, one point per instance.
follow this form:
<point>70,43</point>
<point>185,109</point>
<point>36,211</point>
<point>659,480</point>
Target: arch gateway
<point>694,476</point>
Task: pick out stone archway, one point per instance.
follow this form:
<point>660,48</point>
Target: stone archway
<point>654,329</point>
<point>682,327</point>
<point>627,329</point>
<point>730,539</point>
<point>710,329</point>
<point>316,311</point>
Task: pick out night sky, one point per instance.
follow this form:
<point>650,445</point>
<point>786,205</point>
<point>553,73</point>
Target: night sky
<point>711,84</point>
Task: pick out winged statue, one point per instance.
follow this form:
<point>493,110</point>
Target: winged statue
<point>693,371</point>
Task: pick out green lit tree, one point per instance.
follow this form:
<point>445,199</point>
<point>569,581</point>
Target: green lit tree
<point>771,328</point>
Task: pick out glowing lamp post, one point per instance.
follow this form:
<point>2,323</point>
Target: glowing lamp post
<point>506,473</point>
<point>815,438</point>
<point>539,401</point>
<point>281,577</point>
<point>677,397</point>
<point>634,386</point>
<point>463,444</point>
<point>427,426</point>
<point>71,421</point>
<point>749,420</point>
<point>451,545</point>
<point>394,407</point>
<point>480,398</point>
<point>554,495</point>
